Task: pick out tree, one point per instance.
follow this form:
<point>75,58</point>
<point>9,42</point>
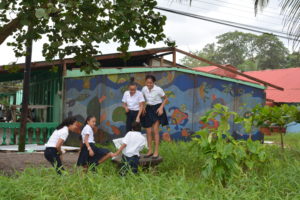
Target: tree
<point>235,47</point>
<point>246,51</point>
<point>293,60</point>
<point>271,52</point>
<point>76,28</point>
<point>208,52</point>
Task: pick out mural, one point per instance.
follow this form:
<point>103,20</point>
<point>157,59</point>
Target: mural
<point>190,96</point>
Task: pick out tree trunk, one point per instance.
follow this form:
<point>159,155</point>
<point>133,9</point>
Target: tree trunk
<point>25,98</point>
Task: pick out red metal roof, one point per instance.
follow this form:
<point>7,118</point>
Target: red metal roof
<point>288,78</point>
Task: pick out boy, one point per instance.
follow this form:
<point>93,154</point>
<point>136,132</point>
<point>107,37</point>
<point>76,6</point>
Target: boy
<point>131,146</point>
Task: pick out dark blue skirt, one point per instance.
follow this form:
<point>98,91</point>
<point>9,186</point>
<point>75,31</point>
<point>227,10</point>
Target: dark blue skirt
<point>85,159</point>
<point>151,116</point>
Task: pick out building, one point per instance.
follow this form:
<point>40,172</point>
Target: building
<point>70,92</point>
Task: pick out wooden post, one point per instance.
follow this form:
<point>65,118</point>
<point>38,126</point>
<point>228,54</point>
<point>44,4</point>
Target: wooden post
<point>281,138</point>
<point>174,59</point>
<point>161,61</point>
<point>26,81</point>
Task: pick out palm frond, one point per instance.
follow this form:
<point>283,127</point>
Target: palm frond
<point>291,12</point>
<point>260,4</point>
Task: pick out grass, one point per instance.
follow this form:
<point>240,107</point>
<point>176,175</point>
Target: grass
<point>177,177</point>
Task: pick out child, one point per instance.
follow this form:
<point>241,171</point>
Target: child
<point>133,143</point>
<point>53,146</point>
<point>90,154</point>
<point>154,113</point>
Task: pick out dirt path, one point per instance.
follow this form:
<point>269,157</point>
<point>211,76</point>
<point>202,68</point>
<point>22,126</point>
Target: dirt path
<point>12,161</point>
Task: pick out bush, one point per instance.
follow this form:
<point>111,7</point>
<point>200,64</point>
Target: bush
<point>225,156</point>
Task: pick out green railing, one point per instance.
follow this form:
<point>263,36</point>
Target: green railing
<point>36,133</point>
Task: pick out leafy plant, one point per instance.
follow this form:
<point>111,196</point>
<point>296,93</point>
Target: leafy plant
<point>225,156</point>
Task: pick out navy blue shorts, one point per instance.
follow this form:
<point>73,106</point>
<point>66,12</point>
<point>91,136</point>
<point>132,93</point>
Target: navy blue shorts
<point>151,116</point>
<point>51,154</point>
<point>85,159</point>
<point>129,164</point>
<point>131,117</point>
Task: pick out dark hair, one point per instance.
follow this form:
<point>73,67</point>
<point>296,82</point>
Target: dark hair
<point>88,119</point>
<point>149,76</point>
<point>136,126</point>
<point>67,122</point>
<point>131,82</point>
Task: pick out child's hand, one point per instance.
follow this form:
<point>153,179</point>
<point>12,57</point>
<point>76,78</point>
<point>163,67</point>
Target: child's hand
<point>114,155</point>
<point>160,111</point>
<point>91,153</point>
<point>138,120</point>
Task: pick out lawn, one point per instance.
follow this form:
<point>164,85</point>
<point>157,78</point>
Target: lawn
<point>177,177</point>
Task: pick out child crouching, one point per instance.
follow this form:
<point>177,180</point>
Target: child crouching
<point>131,146</point>
<point>90,155</point>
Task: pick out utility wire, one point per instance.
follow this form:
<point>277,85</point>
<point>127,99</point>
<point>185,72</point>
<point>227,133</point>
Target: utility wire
<point>231,14</point>
<point>228,23</point>
<point>240,6</point>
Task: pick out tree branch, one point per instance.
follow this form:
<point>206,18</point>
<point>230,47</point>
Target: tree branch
<point>9,28</point>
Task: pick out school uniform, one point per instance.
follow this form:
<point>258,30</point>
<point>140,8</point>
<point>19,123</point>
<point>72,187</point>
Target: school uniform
<point>133,104</point>
<point>135,142</point>
<point>153,100</point>
<point>84,158</point>
<point>51,153</point>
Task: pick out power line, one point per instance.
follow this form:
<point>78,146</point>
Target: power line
<point>228,23</point>
<point>247,10</point>
<point>227,13</point>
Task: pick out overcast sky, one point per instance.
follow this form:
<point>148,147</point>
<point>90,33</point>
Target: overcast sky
<point>190,34</point>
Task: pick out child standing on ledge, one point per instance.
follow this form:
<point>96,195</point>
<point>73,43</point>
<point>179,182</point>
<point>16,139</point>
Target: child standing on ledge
<point>131,146</point>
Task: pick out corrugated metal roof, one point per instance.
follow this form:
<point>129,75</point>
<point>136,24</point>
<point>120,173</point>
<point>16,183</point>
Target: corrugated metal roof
<point>288,78</point>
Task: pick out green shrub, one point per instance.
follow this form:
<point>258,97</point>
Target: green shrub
<point>225,156</point>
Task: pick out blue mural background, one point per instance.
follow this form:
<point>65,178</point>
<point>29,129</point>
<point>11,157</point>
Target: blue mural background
<point>190,96</point>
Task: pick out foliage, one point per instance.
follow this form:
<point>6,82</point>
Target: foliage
<point>225,156</point>
<point>267,116</point>
<point>246,51</point>
<point>293,60</point>
<point>209,52</point>
<point>76,28</point>
<point>272,53</point>
<point>177,177</point>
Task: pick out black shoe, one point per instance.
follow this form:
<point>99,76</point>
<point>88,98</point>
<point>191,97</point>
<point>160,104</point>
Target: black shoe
<point>148,156</point>
<point>155,157</point>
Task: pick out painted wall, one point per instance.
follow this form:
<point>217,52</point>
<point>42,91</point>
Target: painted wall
<point>190,96</point>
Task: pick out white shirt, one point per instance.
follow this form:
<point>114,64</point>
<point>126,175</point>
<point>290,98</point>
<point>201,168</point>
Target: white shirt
<point>133,102</point>
<point>135,142</point>
<point>87,130</point>
<point>153,96</point>
<point>56,135</point>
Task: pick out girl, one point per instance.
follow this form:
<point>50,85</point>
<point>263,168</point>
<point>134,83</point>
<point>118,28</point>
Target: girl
<point>53,146</point>
<point>90,154</point>
<point>133,101</point>
<point>154,113</point>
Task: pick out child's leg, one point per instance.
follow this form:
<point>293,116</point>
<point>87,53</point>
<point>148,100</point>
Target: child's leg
<point>149,140</point>
<point>52,156</point>
<point>134,163</point>
<point>104,158</point>
<point>156,137</point>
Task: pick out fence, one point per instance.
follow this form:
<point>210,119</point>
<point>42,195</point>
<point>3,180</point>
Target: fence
<point>36,133</point>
